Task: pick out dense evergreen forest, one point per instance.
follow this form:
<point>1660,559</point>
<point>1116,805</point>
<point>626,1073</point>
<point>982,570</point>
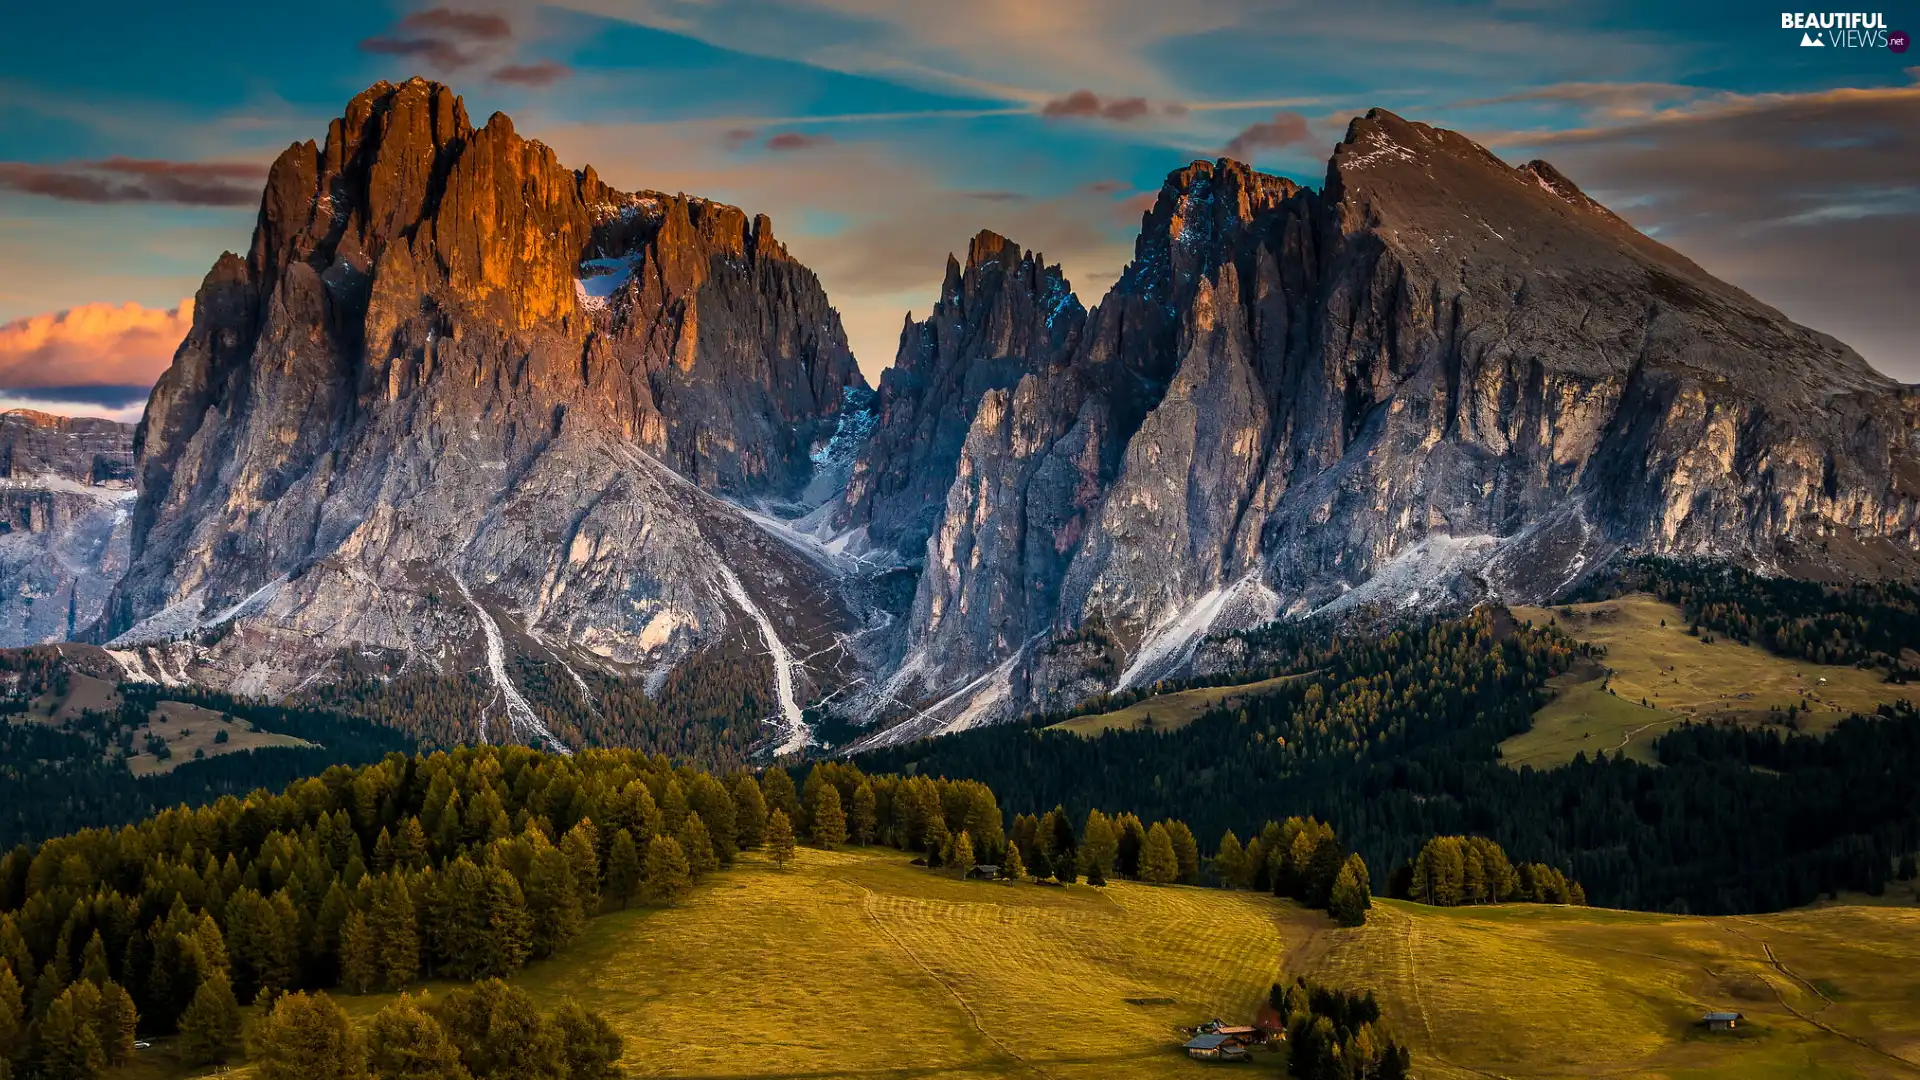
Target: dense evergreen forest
<point>462,865</point>
<point>1393,739</point>
<point>1872,624</point>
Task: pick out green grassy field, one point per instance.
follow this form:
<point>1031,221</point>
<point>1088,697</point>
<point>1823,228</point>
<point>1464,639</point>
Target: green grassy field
<point>1526,991</point>
<point>856,964</point>
<point>1170,711</point>
<point>187,729</point>
<point>1680,677</point>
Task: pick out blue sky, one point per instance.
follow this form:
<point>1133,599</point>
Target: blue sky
<point>880,134</point>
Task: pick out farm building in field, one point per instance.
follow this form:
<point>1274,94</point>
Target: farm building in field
<point>1216,1047</point>
<point>1248,1034</point>
<point>984,872</point>
<point>1724,1021</point>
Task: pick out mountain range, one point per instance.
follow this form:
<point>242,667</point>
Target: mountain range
<point>460,409</point>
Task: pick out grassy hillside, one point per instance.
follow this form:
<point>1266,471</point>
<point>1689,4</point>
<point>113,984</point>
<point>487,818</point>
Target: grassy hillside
<point>1535,991</point>
<point>1169,711</point>
<point>857,964</point>
<point>190,732</point>
<point>1680,677</point>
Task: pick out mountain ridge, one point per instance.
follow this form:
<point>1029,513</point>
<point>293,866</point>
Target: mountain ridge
<point>623,428</point>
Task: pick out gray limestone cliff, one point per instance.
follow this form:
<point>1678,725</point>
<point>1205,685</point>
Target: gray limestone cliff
<point>66,496</point>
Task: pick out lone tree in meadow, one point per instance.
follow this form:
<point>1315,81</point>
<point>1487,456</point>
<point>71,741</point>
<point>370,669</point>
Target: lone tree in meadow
<point>1352,893</point>
<point>829,820</point>
<point>1158,864</point>
<point>780,842</point>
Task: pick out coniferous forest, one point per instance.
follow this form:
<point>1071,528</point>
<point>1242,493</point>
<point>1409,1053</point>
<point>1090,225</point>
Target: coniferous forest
<point>1393,739</point>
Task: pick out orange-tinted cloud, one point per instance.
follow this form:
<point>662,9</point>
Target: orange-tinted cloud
<point>1285,129</point>
<point>91,345</point>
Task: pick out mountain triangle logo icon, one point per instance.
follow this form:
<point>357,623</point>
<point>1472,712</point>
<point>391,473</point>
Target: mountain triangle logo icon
<point>1808,41</point>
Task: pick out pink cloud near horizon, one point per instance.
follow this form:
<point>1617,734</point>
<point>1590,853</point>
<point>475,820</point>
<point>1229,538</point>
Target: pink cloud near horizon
<point>92,345</point>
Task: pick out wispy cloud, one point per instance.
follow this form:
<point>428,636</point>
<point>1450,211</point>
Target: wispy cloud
<point>797,140</point>
<point>446,39</point>
<point>131,180</point>
<point>1284,130</point>
<point>1087,105</point>
<point>539,73</point>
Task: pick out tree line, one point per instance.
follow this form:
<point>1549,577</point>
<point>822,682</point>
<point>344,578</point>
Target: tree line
<point>1455,870</point>
<point>1393,739</point>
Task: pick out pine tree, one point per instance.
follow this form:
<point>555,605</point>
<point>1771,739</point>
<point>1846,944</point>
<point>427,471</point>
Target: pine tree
<point>780,841</point>
<point>667,872</point>
<point>114,1021</point>
<point>508,930</point>
<point>12,1012</point>
<point>1186,852</point>
<point>359,960</point>
<point>1158,864</point>
<point>937,838</point>
<point>590,1045</point>
<point>211,1023</point>
<point>776,788</point>
<point>1230,862</point>
<point>962,860</point>
<point>623,868</point>
<point>306,1038</point>
<point>697,842</point>
<point>406,1044</point>
<point>581,846</point>
<point>553,901</point>
<point>69,1047</point>
<point>750,813</point>
<point>829,820</point>
<point>1066,867</point>
<point>1012,868</point>
<point>1351,894</point>
<point>1098,848</point>
<point>865,814</point>
<point>396,931</point>
<point>93,962</point>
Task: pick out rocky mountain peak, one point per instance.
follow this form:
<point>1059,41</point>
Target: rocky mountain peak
<point>435,322</point>
<point>1004,315</point>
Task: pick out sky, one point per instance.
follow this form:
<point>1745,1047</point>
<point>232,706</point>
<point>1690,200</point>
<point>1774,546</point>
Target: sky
<point>881,134</point>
